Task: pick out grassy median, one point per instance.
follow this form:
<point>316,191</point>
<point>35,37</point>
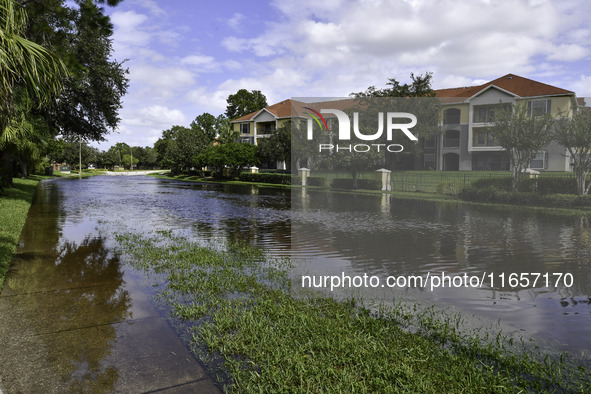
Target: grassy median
<point>14,207</point>
<point>235,306</point>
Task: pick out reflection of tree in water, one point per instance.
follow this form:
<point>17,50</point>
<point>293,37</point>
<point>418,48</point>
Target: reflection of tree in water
<point>88,283</point>
<point>88,264</point>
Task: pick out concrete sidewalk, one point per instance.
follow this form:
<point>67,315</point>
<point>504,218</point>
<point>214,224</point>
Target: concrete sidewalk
<point>78,322</point>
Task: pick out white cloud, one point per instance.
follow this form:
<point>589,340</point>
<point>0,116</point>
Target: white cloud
<point>567,52</point>
<point>127,28</point>
<point>582,87</point>
<point>213,102</point>
<point>161,115</point>
<point>235,22</point>
<point>151,6</point>
<point>200,63</point>
<point>166,78</point>
<point>455,37</point>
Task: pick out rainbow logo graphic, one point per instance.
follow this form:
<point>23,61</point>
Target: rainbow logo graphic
<point>317,117</point>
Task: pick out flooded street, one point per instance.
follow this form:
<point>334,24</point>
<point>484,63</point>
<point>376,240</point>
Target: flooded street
<point>89,315</point>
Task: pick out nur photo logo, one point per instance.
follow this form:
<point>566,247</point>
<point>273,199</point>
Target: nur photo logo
<point>392,122</point>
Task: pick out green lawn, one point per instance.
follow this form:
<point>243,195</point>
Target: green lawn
<point>14,207</point>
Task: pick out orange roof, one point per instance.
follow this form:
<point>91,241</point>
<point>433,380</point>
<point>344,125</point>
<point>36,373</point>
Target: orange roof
<point>290,108</point>
<point>519,86</point>
<point>281,110</point>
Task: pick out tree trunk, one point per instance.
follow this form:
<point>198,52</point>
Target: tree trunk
<point>581,175</point>
<point>516,179</point>
<point>24,172</point>
<point>6,170</point>
<point>354,175</point>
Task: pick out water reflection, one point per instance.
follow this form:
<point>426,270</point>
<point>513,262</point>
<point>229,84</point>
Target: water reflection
<point>377,235</point>
<point>86,290</point>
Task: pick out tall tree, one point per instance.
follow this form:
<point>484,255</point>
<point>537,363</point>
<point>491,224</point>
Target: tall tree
<point>277,147</point>
<point>80,32</point>
<point>244,102</point>
<point>233,155</point>
<point>574,133</point>
<point>224,130</point>
<point>419,87</point>
<point>30,69</point>
<point>522,134</point>
<point>424,106</point>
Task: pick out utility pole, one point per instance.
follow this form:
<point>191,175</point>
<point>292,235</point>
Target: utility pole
<point>131,161</point>
<point>80,159</point>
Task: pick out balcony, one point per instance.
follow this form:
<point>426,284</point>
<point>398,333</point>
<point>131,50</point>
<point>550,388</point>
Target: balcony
<point>265,128</point>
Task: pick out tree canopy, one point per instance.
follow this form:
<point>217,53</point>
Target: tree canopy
<point>30,77</point>
<point>244,102</point>
<point>80,33</point>
<point>574,133</point>
<point>522,135</point>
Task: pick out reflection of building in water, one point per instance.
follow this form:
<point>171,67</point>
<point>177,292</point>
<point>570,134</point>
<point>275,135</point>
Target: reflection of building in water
<point>380,236</point>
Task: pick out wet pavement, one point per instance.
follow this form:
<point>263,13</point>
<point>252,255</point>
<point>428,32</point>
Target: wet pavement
<point>68,336</point>
<point>73,318</point>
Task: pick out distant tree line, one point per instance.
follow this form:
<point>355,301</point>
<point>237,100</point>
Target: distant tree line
<point>120,155</point>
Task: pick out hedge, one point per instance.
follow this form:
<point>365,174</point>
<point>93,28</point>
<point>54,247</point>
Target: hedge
<point>316,181</point>
<point>540,185</point>
<point>347,183</point>
<point>266,177</point>
<point>504,197</point>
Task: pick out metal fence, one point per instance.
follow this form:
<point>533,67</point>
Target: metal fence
<point>448,182</point>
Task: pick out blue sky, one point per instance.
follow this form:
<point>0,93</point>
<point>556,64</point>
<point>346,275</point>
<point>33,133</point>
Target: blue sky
<point>186,57</point>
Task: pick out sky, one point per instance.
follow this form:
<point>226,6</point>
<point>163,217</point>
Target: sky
<point>185,57</point>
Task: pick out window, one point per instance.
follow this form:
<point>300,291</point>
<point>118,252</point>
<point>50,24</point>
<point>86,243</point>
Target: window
<point>539,107</point>
<point>245,128</point>
<point>486,113</point>
<point>429,161</point>
<point>430,141</point>
<point>481,136</point>
<point>451,116</point>
<point>451,139</point>
<point>540,161</point>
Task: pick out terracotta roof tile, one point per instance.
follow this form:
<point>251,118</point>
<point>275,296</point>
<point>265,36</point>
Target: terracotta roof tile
<point>520,86</point>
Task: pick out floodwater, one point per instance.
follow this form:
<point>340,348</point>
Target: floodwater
<point>69,238</point>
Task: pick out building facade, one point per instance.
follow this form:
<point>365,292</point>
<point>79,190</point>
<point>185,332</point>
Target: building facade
<point>462,142</point>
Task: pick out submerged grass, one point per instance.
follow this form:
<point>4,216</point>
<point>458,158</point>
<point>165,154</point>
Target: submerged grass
<point>242,319</point>
<point>14,207</point>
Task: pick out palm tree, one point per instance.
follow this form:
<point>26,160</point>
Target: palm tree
<point>26,66</point>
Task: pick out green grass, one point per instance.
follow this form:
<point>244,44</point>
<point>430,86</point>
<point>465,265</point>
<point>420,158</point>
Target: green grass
<point>243,322</point>
<point>85,174</point>
<point>14,207</point>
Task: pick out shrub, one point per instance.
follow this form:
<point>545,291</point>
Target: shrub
<point>316,181</point>
<point>493,183</point>
<point>558,185</point>
<point>540,185</point>
<point>447,188</point>
<point>503,197</point>
<point>275,178</point>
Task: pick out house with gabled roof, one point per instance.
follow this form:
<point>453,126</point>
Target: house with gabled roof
<point>464,141</point>
<point>264,122</point>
